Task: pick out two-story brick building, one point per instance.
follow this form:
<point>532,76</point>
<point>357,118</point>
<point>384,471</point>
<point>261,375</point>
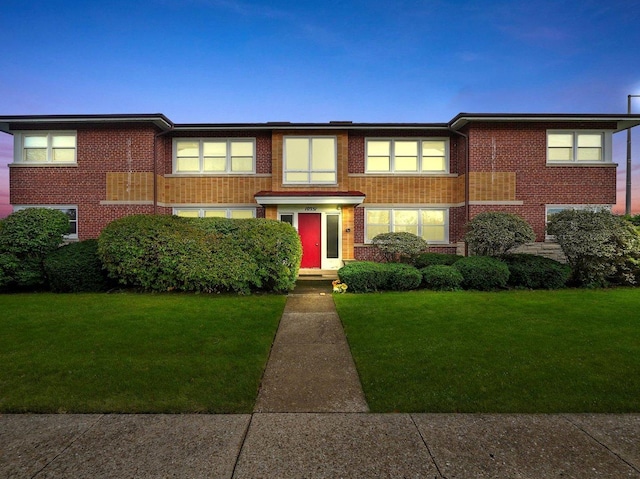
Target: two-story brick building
<point>338,183</point>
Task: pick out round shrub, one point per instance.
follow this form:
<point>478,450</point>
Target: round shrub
<point>429,259</point>
<point>398,245</point>
<point>363,276</point>
<point>483,273</point>
<point>367,276</point>
<point>536,272</point>
<point>76,267</point>
<point>401,277</point>
<point>495,233</point>
<point>440,277</point>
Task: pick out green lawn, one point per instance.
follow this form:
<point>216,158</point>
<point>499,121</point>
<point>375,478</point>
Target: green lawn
<point>516,351</point>
<point>134,352</point>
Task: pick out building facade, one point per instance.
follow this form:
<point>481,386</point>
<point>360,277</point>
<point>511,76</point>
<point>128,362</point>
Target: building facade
<point>338,183</point>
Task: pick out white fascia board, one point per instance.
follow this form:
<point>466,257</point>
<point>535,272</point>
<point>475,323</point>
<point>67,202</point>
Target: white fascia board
<point>309,200</point>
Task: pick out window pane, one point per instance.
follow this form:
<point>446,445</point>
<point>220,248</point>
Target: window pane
<point>433,217</point>
<point>378,148</point>
<point>241,214</point>
<point>560,154</point>
<point>215,164</point>
<point>560,140</point>
<point>188,164</point>
<point>241,148</point>
<point>297,154</point>
<point>214,148</point>
<point>35,154</point>
<point>215,213</point>
<point>63,141</point>
<point>323,177</point>
<point>35,141</point>
<point>64,154</point>
<point>323,154</point>
<point>187,213</point>
<point>433,233</point>
<point>187,148</point>
<point>287,219</point>
<point>589,154</point>
<point>406,163</point>
<point>403,217</point>
<point>378,217</point>
<point>413,229</point>
<point>378,163</point>
<point>242,164</point>
<point>433,148</point>
<point>590,140</point>
<point>374,230</point>
<point>406,148</point>
<point>332,236</point>
<point>297,177</point>
<point>433,164</point>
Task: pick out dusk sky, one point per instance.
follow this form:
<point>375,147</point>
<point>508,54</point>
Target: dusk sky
<point>367,61</point>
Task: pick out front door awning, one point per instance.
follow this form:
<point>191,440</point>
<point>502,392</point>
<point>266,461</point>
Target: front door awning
<point>309,197</point>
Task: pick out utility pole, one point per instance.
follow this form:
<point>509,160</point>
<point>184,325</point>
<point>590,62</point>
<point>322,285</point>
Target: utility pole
<point>627,209</point>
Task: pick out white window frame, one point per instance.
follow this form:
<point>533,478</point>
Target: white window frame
<point>69,236</point>
<point>563,207</point>
<point>200,141</point>
<point>309,170</point>
<point>19,156</point>
<point>420,224</point>
<point>606,146</point>
<point>201,211</point>
<point>419,140</point>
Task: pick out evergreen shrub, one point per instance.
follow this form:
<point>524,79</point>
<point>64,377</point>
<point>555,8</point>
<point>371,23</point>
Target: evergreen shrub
<point>440,277</point>
<point>483,273</point>
<point>536,272</point>
<point>429,259</point>
<point>75,268</point>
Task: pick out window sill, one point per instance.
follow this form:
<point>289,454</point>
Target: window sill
<point>41,165</point>
<point>573,164</point>
<point>309,185</point>
<point>400,175</point>
<point>216,175</point>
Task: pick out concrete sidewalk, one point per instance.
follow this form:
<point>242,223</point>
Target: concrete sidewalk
<point>310,422</point>
<point>311,445</point>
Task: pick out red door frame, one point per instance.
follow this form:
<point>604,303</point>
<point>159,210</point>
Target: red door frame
<point>309,229</point>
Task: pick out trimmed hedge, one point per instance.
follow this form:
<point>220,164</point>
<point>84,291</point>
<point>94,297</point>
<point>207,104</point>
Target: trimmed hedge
<point>483,273</point>
<point>536,272</point>
<point>429,259</point>
<point>75,268</point>
<point>440,277</point>
<point>164,253</point>
<point>367,276</point>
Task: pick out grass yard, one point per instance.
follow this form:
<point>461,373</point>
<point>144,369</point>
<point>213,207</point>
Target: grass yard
<point>134,353</point>
<point>515,351</point>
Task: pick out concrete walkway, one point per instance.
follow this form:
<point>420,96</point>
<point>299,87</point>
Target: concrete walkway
<point>328,440</point>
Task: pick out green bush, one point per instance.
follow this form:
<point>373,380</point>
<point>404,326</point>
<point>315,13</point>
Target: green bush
<point>496,233</point>
<point>536,272</point>
<point>440,277</point>
<point>483,273</point>
<point>401,277</point>
<point>26,238</point>
<point>367,276</point>
<point>75,267</point>
<point>600,247</point>
<point>394,246</point>
<point>430,259</point>
<point>163,253</point>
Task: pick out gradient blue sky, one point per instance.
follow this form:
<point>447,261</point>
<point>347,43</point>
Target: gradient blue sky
<point>365,60</point>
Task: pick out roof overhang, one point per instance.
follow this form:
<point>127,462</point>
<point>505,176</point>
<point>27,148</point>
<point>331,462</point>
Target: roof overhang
<point>309,197</point>
<point>15,122</point>
<point>288,126</point>
<point>623,121</point>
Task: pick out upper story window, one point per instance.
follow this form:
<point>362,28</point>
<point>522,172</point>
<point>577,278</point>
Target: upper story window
<point>578,146</point>
<point>214,156</point>
<point>407,155</point>
<point>310,160</point>
<point>42,147</point>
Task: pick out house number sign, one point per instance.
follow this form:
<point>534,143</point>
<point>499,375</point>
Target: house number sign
<point>311,208</point>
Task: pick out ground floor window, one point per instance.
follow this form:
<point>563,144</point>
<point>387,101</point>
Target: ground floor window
<point>431,224</point>
<point>551,210</point>
<point>235,213</point>
<point>70,210</point>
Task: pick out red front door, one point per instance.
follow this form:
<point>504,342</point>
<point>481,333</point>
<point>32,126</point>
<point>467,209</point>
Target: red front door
<point>309,231</point>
